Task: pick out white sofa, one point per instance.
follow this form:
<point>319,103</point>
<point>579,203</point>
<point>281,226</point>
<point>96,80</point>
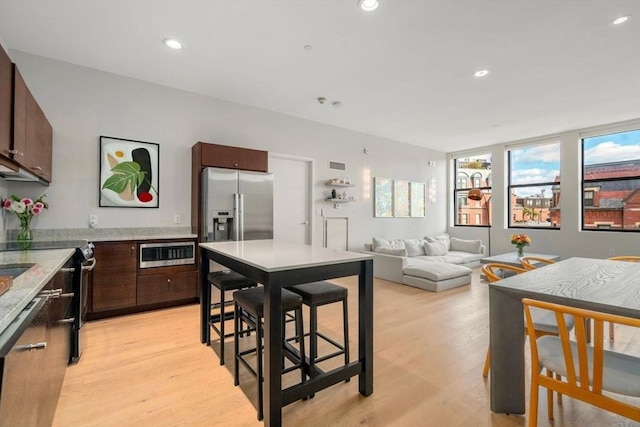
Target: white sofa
<point>433,263</point>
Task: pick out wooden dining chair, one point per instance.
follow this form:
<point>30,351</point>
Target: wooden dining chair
<point>545,324</point>
<point>628,258</point>
<point>528,262</point>
<point>585,371</point>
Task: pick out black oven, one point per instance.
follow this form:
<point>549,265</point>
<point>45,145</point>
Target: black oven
<point>83,262</point>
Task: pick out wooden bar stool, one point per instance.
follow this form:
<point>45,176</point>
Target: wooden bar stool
<point>314,295</point>
<point>249,308</point>
<point>225,281</point>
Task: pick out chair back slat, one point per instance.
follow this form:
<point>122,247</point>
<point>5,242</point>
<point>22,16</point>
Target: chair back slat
<point>581,343</point>
<point>598,355</point>
<point>567,352</point>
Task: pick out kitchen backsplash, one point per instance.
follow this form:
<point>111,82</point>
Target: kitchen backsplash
<point>102,233</point>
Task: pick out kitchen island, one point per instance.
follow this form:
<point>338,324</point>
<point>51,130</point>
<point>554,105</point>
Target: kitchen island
<point>276,264</point>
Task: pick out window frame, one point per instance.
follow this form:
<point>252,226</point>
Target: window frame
<point>461,219</point>
<point>590,185</point>
<point>511,215</point>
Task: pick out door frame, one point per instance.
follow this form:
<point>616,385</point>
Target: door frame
<point>311,164</point>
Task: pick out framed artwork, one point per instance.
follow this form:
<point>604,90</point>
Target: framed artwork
<point>128,173</point>
<point>383,199</point>
<point>418,199</point>
<point>400,198</point>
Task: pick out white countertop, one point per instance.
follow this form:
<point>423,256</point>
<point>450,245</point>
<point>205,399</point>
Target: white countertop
<point>277,255</point>
<point>28,284</point>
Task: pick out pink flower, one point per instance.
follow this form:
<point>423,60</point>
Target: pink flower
<point>36,210</point>
<point>6,203</point>
<point>38,205</point>
<point>27,201</point>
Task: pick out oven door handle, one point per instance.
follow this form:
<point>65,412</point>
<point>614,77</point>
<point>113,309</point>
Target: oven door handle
<point>90,266</point>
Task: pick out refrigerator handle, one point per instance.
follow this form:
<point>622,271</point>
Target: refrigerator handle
<point>238,216</point>
<point>241,216</point>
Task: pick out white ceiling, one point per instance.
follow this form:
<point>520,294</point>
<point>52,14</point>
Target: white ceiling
<point>404,71</point>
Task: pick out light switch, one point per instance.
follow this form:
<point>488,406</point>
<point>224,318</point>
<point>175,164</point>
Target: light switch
<point>93,221</point>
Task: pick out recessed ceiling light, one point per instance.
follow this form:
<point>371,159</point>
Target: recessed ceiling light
<point>481,73</point>
<point>368,5</point>
<point>172,43</point>
<point>308,47</point>
<point>621,20</point>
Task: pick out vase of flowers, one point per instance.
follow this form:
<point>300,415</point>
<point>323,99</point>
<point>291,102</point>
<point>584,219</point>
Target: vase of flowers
<point>520,241</point>
<point>25,209</point>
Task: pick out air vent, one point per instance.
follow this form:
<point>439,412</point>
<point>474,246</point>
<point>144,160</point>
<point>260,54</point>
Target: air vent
<point>337,166</point>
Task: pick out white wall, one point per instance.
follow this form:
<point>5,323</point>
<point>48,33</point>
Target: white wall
<point>569,240</point>
<point>83,103</point>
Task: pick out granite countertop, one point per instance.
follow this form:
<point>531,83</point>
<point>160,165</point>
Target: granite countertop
<point>27,285</point>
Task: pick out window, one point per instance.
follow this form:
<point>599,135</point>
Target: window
<point>588,198</point>
<point>534,186</point>
<point>477,180</point>
<point>610,181</point>
<point>473,173</point>
<point>463,180</point>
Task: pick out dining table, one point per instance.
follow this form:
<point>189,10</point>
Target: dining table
<point>594,284</point>
<point>276,264</point>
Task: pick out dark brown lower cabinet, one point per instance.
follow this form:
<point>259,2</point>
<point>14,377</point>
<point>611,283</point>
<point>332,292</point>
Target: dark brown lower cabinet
<point>34,353</point>
<point>114,276</point>
<point>159,288</point>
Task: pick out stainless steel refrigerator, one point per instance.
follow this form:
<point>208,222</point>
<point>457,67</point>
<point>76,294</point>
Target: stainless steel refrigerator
<point>237,205</point>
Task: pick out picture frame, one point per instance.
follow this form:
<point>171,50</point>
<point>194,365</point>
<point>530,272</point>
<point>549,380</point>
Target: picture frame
<point>418,198</point>
<point>401,206</point>
<point>129,173</point>
<point>383,197</point>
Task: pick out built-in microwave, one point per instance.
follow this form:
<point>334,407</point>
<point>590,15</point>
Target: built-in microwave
<point>162,254</point>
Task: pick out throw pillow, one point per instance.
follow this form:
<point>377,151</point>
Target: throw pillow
<point>414,247</point>
<point>436,248</point>
<point>444,237</point>
<point>391,251</point>
<point>391,244</point>
<point>472,246</point>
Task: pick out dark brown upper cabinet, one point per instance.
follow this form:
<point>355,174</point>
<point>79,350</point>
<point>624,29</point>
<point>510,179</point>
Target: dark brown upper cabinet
<point>26,136</point>
<point>32,134</point>
<point>6,99</point>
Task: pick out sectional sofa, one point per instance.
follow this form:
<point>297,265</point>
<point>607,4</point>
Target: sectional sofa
<point>433,263</point>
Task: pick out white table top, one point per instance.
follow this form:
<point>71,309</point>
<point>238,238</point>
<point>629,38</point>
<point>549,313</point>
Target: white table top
<point>278,255</point>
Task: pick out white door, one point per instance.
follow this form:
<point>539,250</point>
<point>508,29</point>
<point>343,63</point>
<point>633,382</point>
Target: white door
<point>291,198</point>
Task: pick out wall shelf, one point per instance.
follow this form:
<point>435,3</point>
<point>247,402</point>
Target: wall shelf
<point>339,200</point>
<point>331,184</point>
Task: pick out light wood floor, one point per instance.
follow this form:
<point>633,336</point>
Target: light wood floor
<point>151,370</point>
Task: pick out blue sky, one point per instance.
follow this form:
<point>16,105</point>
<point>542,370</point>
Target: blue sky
<point>542,163</point>
<point>609,148</point>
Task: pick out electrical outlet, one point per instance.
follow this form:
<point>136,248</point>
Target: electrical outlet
<point>93,221</point>
<point>176,219</point>
<point>612,252</point>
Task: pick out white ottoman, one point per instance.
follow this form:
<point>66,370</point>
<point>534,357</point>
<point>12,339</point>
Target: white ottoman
<point>435,276</point>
